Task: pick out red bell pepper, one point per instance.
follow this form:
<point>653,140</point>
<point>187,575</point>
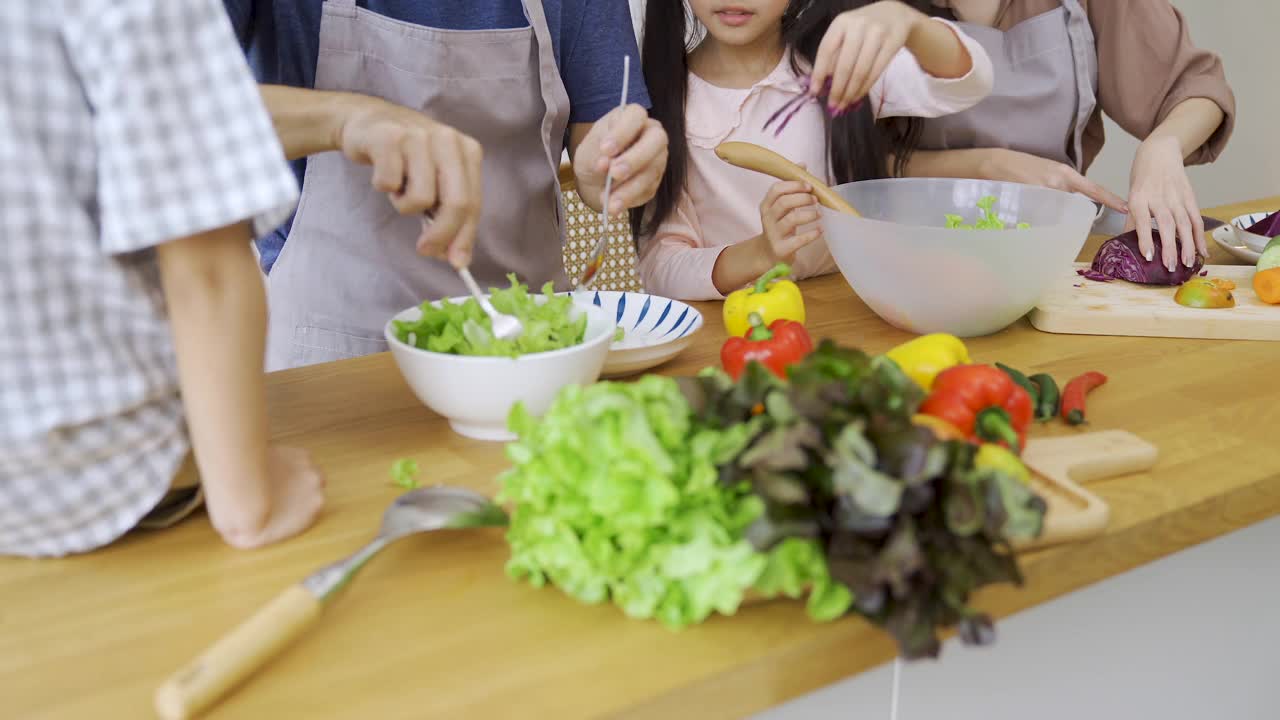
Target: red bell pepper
<point>782,343</point>
<point>983,403</point>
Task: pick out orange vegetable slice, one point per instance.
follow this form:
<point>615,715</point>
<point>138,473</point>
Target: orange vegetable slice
<point>1267,285</point>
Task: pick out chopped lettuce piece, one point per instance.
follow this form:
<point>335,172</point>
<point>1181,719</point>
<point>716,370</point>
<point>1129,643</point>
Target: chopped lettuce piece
<point>404,473</point>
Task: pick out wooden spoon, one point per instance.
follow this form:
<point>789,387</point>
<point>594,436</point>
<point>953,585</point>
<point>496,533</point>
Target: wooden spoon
<point>762,160</point>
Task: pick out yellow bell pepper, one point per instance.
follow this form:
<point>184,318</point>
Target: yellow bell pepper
<point>998,457</point>
<point>926,356</point>
<point>773,297</point>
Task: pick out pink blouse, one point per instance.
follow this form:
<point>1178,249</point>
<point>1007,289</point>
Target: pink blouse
<point>720,204</point>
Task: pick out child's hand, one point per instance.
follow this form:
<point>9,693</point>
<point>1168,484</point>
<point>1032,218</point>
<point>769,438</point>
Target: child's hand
<point>295,494</point>
<point>785,208</point>
<point>857,48</point>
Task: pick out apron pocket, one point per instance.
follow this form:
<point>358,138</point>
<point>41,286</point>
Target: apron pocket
<point>313,345</point>
<point>1038,36</point>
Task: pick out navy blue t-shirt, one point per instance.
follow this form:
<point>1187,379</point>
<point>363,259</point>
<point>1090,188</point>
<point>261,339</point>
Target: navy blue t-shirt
<point>282,39</point>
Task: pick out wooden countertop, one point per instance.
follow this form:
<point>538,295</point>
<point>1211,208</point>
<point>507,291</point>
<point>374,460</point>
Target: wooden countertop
<point>433,628</point>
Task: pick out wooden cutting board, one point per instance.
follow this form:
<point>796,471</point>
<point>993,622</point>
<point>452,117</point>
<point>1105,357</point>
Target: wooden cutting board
<point>1060,465</point>
<point>1074,305</point>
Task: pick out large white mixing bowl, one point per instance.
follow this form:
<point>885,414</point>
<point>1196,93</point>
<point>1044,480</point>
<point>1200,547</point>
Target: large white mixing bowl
<point>921,277</point>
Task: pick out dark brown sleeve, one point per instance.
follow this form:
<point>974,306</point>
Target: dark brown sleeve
<point>1147,65</point>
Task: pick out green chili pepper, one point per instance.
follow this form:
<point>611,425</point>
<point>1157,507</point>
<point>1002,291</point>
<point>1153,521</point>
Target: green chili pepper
<point>1023,382</point>
<point>1047,406</point>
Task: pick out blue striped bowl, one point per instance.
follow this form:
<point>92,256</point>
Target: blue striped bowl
<point>655,329</point>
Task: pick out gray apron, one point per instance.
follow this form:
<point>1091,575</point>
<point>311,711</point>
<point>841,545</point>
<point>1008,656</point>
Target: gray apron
<point>350,261</point>
<point>1046,79</point>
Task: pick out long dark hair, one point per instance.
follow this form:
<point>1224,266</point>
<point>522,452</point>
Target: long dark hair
<point>859,146</point>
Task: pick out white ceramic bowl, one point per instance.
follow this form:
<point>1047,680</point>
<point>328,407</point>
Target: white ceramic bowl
<point>475,394</point>
<point>1228,240</point>
<point>655,329</point>
<point>921,277</point>
<point>1244,245</point>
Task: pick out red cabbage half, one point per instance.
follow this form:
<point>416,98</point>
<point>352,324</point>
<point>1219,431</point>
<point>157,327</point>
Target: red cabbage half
<point>1120,259</point>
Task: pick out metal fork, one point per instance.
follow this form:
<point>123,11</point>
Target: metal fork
<point>505,327</point>
<point>597,253</point>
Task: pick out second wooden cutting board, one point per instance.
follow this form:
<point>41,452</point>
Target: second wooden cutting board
<point>1077,306</point>
<point>1058,466</point>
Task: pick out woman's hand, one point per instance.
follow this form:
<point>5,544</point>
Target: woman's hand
<point>857,48</point>
<point>1159,188</point>
<point>626,143</point>
<point>786,208</point>
<point>1020,167</point>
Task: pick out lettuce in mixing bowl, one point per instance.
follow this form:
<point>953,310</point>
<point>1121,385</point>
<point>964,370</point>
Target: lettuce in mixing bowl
<point>465,329</point>
<point>989,220</point>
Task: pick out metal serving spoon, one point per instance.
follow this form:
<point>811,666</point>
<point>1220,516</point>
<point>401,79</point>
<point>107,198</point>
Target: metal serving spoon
<point>238,654</point>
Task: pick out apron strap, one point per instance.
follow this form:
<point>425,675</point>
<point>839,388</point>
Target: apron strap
<point>1084,53</point>
<point>549,79</point>
<point>342,3</point>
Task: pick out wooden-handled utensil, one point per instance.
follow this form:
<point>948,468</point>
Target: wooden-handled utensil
<point>762,160</point>
<point>236,656</point>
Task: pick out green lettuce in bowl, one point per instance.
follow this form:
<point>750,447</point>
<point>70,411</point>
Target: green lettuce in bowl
<point>464,328</point>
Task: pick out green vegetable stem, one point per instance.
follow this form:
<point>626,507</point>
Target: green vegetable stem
<point>1022,380</point>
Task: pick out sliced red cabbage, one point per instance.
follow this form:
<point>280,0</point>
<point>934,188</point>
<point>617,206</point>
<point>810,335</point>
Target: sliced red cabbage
<point>1268,226</point>
<point>1120,259</point>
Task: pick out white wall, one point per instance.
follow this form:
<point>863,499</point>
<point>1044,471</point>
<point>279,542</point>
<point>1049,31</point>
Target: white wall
<point>1242,31</point>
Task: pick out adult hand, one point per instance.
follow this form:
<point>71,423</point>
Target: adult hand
<point>1020,167</point>
<point>423,166</point>
<point>629,145</point>
<point>1159,188</point>
<point>295,487</point>
<point>857,48</point>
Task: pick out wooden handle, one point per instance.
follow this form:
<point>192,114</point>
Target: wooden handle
<point>1061,464</point>
<point>762,160</point>
<point>1092,456</point>
<point>236,655</point>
